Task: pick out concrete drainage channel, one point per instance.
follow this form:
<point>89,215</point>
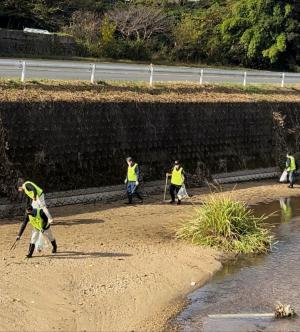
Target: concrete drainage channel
<point>247,175</point>
<point>113,193</point>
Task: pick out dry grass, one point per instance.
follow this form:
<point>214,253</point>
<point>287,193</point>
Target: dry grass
<point>141,92</point>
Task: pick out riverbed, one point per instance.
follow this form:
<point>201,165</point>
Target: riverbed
<point>118,267</point>
<point>254,284</point>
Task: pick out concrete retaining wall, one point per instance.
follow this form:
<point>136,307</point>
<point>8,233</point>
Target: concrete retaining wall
<point>17,42</point>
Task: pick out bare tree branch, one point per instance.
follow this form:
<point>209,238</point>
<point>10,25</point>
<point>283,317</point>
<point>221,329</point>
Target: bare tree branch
<point>140,22</point>
<point>85,25</point>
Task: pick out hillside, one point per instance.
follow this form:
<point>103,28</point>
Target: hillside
<point>249,33</point>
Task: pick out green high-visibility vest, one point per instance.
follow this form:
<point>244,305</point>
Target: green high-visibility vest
<point>30,193</point>
<point>131,175</point>
<point>177,176</point>
<point>292,166</point>
<point>36,221</point>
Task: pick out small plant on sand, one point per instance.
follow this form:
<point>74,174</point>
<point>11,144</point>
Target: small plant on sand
<point>229,225</point>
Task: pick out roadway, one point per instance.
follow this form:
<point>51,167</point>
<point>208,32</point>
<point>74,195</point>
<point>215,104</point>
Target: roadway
<point>81,70</point>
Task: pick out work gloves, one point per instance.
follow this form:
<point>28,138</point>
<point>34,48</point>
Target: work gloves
<point>18,238</point>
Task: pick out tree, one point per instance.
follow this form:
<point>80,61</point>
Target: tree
<point>44,14</point>
<point>139,22</point>
<point>186,35</point>
<point>259,31</point>
<point>107,38</point>
<point>85,28</point>
<point>198,36</point>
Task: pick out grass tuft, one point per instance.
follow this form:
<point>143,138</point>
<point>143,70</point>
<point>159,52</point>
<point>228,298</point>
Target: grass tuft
<point>229,225</point>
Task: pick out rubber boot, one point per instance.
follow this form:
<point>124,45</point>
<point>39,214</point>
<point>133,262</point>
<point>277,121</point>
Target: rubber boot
<point>129,199</point>
<point>54,245</point>
<point>30,250</point>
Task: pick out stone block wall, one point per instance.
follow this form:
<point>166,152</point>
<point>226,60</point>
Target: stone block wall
<point>73,145</point>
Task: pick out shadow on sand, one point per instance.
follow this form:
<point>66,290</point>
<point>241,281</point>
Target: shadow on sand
<point>83,255</point>
<point>78,222</point>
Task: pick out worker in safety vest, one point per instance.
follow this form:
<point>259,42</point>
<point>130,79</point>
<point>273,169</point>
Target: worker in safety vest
<point>291,169</point>
<point>132,180</point>
<point>39,221</point>
<point>35,196</point>
<point>177,180</point>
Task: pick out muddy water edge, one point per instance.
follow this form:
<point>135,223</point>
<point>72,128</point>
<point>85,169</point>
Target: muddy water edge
<point>253,284</point>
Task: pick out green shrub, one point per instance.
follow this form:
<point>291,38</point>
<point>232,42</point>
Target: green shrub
<point>229,225</point>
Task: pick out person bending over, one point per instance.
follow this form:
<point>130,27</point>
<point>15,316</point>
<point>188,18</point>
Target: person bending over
<point>35,196</point>
<point>39,222</point>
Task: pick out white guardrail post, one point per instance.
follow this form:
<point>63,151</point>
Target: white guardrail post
<point>282,80</point>
<point>93,69</point>
<point>24,69</point>
<point>201,76</point>
<point>245,79</point>
<point>23,73</point>
<point>151,74</point>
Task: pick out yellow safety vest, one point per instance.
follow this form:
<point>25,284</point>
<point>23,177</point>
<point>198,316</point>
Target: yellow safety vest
<point>30,193</point>
<point>36,221</point>
<point>292,166</point>
<point>131,175</point>
<point>177,176</point>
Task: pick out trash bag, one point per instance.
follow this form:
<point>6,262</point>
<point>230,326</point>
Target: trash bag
<point>182,193</point>
<point>283,177</point>
<point>41,243</point>
<point>35,204</point>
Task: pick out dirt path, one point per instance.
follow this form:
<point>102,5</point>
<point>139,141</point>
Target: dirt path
<point>118,267</point>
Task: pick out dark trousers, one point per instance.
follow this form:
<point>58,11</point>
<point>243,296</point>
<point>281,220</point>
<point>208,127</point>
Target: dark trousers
<point>133,190</point>
<point>174,191</point>
<point>291,178</point>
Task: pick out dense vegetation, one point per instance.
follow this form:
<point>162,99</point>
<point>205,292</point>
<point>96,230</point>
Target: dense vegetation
<point>252,33</point>
<point>227,225</point>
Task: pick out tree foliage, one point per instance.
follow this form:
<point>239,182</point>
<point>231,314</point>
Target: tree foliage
<point>254,33</point>
<point>85,27</point>
<point>259,30</point>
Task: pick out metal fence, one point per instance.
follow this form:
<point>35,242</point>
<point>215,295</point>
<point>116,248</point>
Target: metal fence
<point>63,70</point>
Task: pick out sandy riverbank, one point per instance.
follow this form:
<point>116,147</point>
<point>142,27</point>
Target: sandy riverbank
<point>118,267</point>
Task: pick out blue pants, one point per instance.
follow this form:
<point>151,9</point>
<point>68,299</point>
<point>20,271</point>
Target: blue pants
<point>291,178</point>
<point>133,189</point>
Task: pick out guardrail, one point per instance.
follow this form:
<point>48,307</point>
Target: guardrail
<point>33,69</point>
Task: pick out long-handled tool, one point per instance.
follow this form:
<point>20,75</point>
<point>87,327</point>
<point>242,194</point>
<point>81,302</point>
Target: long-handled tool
<point>166,184</point>
<point>134,189</point>
<point>13,246</point>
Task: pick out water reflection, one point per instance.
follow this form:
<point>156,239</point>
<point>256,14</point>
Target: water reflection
<point>286,209</point>
<point>253,284</point>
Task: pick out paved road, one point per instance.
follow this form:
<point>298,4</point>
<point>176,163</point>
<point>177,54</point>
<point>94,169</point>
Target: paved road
<point>79,70</point>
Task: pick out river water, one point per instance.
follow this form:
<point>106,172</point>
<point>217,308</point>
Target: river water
<point>253,284</point>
